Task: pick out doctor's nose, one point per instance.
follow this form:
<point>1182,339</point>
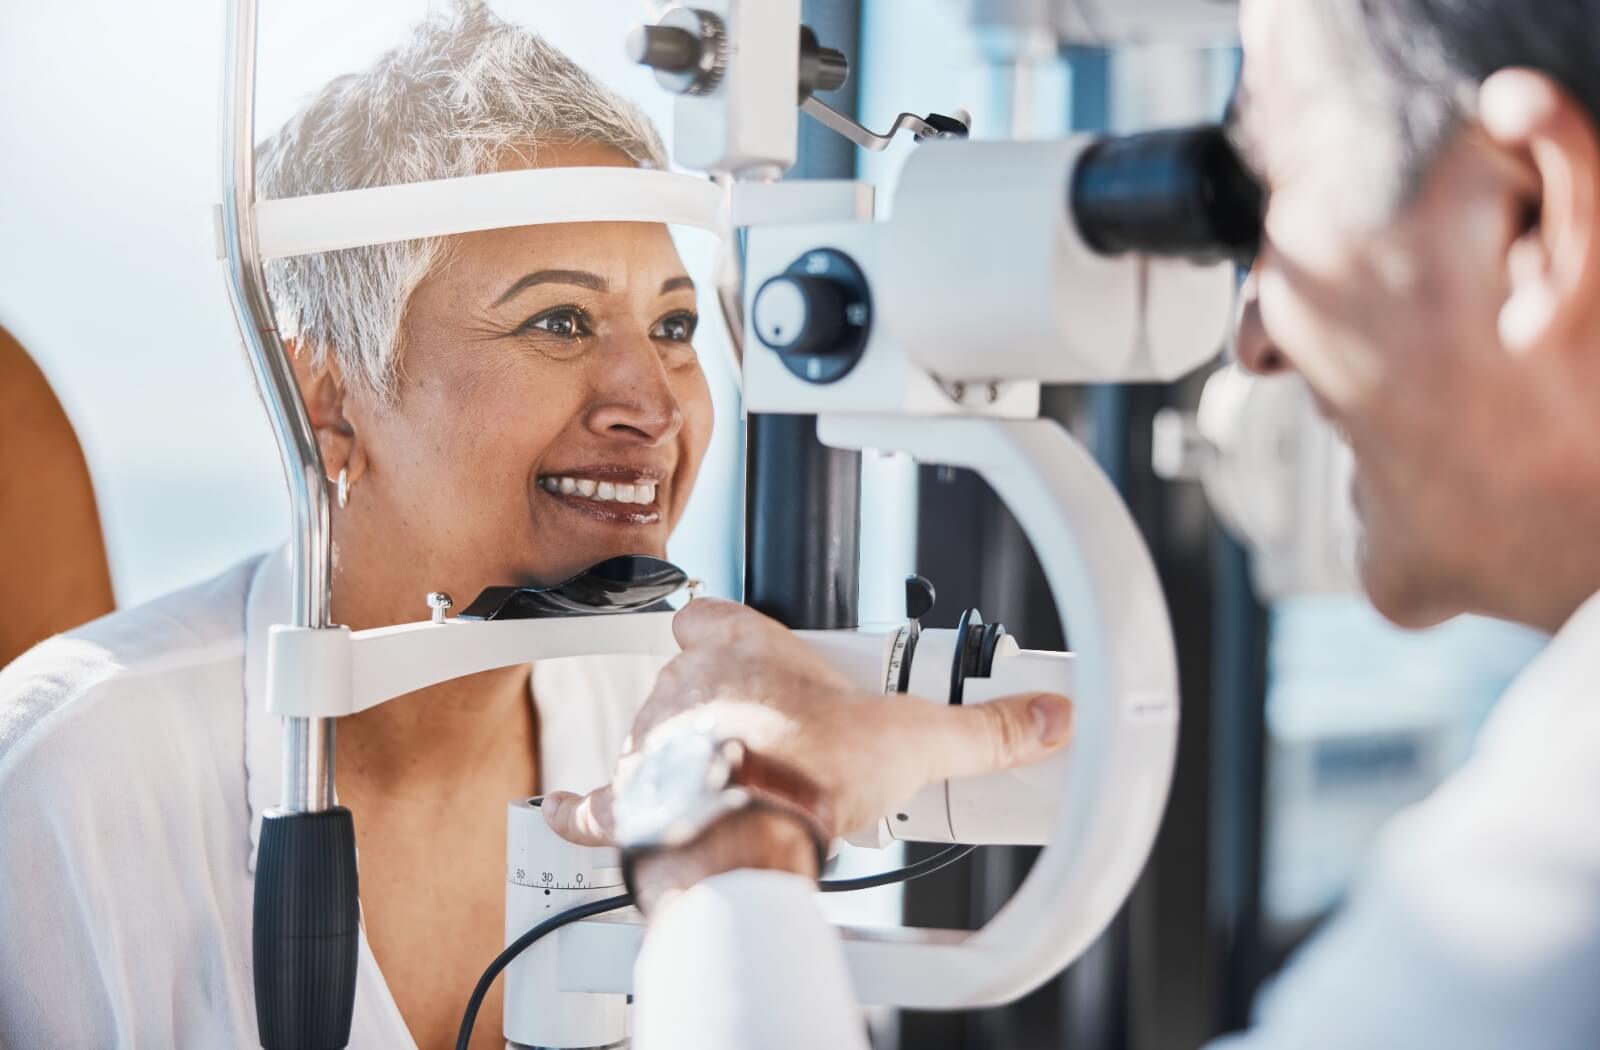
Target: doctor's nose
<point>1252,345</point>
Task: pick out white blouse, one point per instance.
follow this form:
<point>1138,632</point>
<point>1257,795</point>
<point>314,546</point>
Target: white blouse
<point>136,758</point>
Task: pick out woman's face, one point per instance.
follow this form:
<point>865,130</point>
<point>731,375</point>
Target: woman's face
<point>551,412</point>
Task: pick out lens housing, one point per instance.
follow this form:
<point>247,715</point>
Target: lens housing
<point>1181,193</point>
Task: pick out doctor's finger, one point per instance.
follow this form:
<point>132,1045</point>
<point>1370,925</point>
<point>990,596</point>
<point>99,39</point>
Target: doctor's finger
<point>583,819</point>
<point>717,622</point>
<point>991,736</point>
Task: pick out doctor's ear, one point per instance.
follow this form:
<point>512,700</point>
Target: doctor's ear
<point>322,389</point>
<point>1554,259</point>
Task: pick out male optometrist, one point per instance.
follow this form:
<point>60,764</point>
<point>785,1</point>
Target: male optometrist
<point>1431,268</point>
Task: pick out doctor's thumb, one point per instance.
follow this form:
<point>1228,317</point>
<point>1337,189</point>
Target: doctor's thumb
<point>583,819</point>
<point>999,734</point>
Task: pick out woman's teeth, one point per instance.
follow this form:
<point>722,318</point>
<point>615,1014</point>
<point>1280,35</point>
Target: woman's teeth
<point>642,493</point>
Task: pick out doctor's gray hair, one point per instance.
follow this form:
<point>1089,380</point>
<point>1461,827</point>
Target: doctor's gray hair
<point>1421,62</point>
<point>464,92</point>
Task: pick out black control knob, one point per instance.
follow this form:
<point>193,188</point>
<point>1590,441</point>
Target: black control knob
<point>816,315</point>
<point>797,314</point>
<point>919,597</point>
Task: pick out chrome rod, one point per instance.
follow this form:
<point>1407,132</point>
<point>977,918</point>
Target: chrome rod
<point>867,139</point>
<point>307,742</point>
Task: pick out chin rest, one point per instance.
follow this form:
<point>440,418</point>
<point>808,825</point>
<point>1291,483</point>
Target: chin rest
<point>629,583</point>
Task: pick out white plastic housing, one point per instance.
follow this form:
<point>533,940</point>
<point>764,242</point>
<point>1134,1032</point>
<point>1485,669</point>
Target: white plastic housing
<point>984,276</point>
<point>981,288</point>
<point>1016,808</point>
<point>546,875</point>
<point>1209,23</point>
<point>925,817</point>
<point>1186,315</point>
<point>798,201</point>
<point>748,125</point>
<point>886,379</point>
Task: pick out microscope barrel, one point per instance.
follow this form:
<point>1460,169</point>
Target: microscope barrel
<point>1181,193</point>
<point>546,875</point>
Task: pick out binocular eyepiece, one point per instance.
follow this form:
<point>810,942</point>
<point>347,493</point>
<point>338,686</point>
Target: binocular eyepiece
<point>1182,193</point>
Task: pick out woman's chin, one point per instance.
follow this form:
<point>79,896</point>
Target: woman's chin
<point>581,555</point>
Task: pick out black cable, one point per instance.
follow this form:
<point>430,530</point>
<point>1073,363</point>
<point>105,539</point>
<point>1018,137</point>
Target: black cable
<point>518,946</point>
<point>943,859</point>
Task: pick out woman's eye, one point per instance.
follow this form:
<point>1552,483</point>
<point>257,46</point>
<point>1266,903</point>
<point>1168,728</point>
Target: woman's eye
<point>679,328</point>
<point>564,324</point>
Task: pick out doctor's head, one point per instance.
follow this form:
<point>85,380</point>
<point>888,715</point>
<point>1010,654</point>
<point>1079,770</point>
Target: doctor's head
<point>1431,267</point>
<point>506,406</point>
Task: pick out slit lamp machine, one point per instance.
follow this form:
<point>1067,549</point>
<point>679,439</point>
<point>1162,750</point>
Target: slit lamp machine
<point>1081,260</point>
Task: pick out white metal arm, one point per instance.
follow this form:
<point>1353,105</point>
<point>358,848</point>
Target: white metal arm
<point>354,218</point>
<point>336,671</point>
<point>1113,781</point>
<point>1117,774</point>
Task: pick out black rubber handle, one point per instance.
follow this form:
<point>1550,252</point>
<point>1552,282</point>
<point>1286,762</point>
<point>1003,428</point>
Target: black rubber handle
<point>307,929</point>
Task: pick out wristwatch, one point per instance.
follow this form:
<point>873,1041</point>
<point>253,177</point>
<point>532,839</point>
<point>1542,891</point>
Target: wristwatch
<point>689,778</point>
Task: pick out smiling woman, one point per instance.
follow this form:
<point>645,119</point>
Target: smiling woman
<point>502,407</point>
<point>524,355</point>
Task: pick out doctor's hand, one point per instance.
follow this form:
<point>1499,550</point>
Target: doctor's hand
<point>867,753</point>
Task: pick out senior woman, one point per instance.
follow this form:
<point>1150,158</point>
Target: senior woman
<point>492,408</point>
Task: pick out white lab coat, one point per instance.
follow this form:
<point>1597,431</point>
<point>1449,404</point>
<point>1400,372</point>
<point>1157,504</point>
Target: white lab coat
<point>136,757</point>
<point>1475,927</point>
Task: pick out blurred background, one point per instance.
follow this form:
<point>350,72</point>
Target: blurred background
<point>1307,721</point>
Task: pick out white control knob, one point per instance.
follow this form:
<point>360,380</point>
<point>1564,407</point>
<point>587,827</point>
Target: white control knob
<point>795,314</point>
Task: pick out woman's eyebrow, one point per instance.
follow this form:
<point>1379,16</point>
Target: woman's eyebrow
<point>581,278</point>
<point>672,284</point>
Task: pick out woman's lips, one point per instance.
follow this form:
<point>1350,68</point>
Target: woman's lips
<point>611,496</point>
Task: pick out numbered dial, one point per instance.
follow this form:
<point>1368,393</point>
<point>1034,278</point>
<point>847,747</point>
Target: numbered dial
<point>898,673</point>
<point>538,859</point>
<point>564,880</point>
<point>816,315</point>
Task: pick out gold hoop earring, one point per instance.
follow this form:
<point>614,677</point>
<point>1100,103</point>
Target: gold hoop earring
<point>344,487</point>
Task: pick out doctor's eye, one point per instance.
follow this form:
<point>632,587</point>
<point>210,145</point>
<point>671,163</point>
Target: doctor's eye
<point>676,328</point>
<point>563,322</point>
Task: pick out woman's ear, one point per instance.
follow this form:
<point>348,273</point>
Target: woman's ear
<point>322,389</point>
<point>1554,260</point>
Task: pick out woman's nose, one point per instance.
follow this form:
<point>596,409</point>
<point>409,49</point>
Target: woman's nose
<point>637,402</point>
<point>1252,345</point>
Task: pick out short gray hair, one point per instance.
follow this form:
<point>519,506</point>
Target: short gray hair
<point>1423,61</point>
<point>464,91</point>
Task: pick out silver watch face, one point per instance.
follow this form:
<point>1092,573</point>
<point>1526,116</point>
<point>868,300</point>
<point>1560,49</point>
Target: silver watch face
<point>668,787</point>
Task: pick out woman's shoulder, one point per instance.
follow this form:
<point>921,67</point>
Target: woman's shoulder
<point>124,824</point>
<point>124,676</point>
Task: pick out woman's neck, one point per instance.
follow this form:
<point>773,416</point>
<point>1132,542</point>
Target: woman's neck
<point>447,739</point>
<point>440,742</point>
